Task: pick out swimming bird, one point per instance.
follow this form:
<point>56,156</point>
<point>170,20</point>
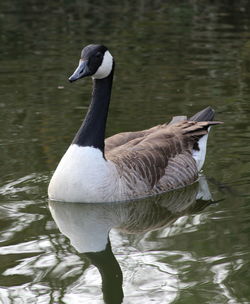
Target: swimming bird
<point>128,165</point>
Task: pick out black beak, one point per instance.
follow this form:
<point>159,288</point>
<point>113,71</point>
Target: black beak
<point>81,71</point>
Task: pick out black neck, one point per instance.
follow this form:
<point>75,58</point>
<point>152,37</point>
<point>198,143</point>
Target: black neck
<point>92,130</point>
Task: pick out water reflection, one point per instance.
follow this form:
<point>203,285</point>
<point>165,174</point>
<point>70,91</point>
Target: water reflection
<point>88,226</point>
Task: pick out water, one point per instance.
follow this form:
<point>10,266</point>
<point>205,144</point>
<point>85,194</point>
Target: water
<point>171,59</point>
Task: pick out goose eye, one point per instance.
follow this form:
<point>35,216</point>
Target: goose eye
<point>98,55</point>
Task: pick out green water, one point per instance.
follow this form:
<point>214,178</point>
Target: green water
<point>172,58</point>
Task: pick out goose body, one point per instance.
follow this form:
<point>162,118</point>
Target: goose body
<point>128,165</point>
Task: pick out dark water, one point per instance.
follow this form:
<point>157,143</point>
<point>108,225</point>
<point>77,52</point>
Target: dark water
<point>172,58</point>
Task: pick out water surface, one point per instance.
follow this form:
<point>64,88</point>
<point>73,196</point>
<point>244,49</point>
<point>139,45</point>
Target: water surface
<point>171,59</point>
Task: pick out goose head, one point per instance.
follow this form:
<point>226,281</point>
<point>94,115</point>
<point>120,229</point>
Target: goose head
<point>95,61</point>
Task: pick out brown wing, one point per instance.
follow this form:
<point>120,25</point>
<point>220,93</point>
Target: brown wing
<point>150,154</point>
<point>125,137</point>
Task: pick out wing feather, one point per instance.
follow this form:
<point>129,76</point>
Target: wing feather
<point>123,138</point>
<point>154,155</point>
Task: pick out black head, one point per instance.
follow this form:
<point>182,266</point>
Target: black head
<point>96,61</point>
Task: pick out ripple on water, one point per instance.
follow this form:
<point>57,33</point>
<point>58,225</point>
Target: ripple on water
<point>171,263</point>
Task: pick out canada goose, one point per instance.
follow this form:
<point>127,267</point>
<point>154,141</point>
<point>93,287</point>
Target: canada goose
<point>128,165</point>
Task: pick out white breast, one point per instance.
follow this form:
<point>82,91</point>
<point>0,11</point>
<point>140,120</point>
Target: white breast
<point>83,175</point>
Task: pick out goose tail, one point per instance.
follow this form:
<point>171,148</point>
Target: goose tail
<point>205,115</point>
<point>199,150</point>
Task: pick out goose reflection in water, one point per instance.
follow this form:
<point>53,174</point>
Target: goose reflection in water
<point>88,226</point>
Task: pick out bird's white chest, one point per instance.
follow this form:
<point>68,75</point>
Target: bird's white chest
<point>83,175</point>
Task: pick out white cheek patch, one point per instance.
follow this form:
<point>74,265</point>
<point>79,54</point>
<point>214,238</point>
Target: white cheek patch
<point>105,68</point>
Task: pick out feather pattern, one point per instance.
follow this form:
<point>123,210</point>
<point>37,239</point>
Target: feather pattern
<point>161,158</point>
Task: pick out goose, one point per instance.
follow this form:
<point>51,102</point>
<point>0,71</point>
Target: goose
<point>128,165</point>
